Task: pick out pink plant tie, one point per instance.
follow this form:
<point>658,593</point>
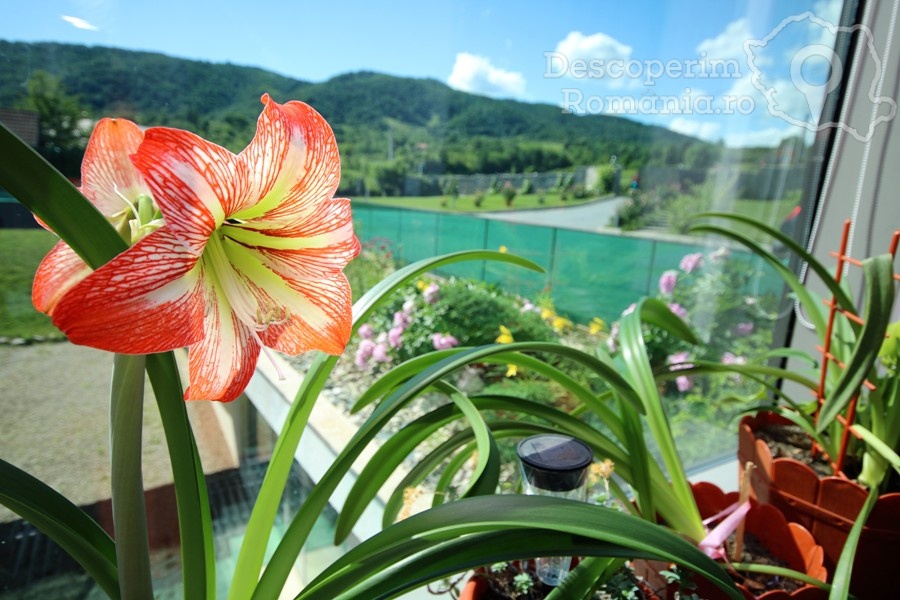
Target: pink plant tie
<point>712,544</point>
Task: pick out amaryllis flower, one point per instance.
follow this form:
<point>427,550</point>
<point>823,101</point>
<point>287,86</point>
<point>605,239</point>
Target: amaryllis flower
<point>250,255</point>
<point>116,188</point>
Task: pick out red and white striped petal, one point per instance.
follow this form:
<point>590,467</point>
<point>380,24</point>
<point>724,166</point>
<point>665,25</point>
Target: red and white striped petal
<point>106,172</point>
<point>294,165</point>
<point>221,364</point>
<point>320,247</point>
<point>320,318</point>
<point>60,270</point>
<point>148,299</point>
<point>297,316</point>
<point>194,182</point>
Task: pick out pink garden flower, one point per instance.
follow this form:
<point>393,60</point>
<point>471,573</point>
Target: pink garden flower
<point>691,261</point>
<point>744,329</point>
<point>402,319</point>
<point>730,359</point>
<point>431,293</point>
<point>395,337</point>
<point>364,353</point>
<point>679,310</point>
<point>680,359</point>
<point>667,282</point>
<point>442,341</point>
<point>684,383</point>
<point>380,354</point>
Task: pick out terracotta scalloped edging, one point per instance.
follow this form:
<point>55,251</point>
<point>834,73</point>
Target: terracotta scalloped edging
<point>827,506</point>
<point>789,542</point>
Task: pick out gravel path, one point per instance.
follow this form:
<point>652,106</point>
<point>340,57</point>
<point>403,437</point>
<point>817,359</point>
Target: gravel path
<point>54,422</point>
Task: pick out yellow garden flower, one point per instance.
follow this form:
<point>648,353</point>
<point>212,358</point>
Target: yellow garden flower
<point>505,336</point>
<point>512,370</point>
<point>596,326</point>
<point>561,324</point>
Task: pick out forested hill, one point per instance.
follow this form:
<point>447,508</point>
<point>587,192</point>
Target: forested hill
<point>428,126</point>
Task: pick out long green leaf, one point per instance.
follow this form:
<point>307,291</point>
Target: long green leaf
<point>585,578</point>
<point>843,298</point>
<point>395,450</point>
<point>191,497</point>
<point>456,536</point>
<point>634,353</point>
<point>781,572</point>
<point>840,583</point>
<point>879,276</point>
<point>126,416</point>
<point>48,194</point>
<point>262,518</point>
<point>878,447</point>
<point>66,524</point>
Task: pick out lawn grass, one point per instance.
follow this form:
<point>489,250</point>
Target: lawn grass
<point>490,202</point>
<point>21,251</point>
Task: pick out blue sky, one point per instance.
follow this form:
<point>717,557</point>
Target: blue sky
<point>572,54</point>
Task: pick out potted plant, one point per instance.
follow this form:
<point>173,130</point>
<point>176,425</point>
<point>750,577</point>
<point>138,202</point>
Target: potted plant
<point>625,398</point>
<point>858,395</point>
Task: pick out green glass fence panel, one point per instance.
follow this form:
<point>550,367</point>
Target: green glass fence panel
<point>599,275</point>
<point>383,224</point>
<point>462,232</point>
<point>588,274</point>
<point>530,241</point>
<point>362,221</point>
<point>418,235</point>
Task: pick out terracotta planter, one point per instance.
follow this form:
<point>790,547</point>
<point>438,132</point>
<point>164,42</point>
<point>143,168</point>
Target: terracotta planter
<point>827,506</point>
<point>789,542</point>
<point>474,589</point>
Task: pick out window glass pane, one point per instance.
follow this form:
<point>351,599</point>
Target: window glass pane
<point>585,137</point>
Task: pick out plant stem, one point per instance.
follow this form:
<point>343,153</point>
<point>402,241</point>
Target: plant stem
<point>126,412</point>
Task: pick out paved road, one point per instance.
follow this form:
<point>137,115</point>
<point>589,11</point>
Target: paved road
<point>594,216</point>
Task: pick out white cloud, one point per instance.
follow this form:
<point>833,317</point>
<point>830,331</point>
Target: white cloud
<point>702,129</point>
<point>589,47</point>
<point>729,43</point>
<point>476,74</point>
<point>79,23</point>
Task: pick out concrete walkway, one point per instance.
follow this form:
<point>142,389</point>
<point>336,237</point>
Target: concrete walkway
<point>592,216</point>
<point>54,422</point>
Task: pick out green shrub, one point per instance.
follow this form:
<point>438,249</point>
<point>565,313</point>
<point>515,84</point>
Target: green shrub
<point>470,311</point>
<point>509,193</point>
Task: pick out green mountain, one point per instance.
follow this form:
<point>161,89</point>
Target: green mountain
<point>421,125</point>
